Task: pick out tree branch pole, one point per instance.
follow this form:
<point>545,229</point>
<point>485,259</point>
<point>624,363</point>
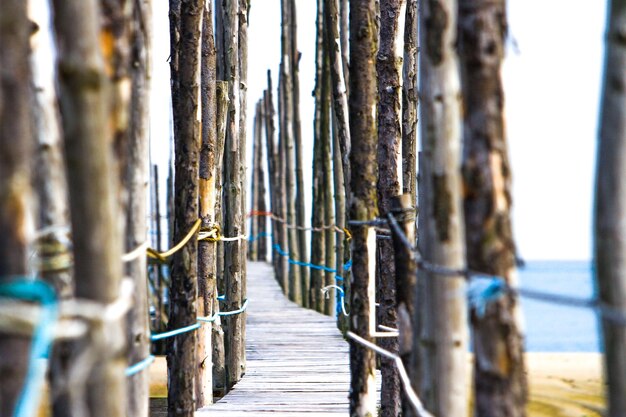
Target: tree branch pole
<point>409,102</point>
<point>363,206</point>
<point>440,340</point>
<point>181,354</point>
<point>207,250</point>
<point>16,146</point>
<point>610,206</point>
<point>389,69</point>
<point>94,206</point>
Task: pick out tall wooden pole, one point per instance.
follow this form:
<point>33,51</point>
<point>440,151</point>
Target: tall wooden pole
<point>259,175</point>
<point>610,205</point>
<point>234,216</point>
<point>136,184</point>
<point>85,109</point>
<point>217,334</point>
<point>389,69</point>
<point>363,205</point>
<point>345,36</point>
<point>403,210</point>
<point>181,357</point>
<point>316,301</point>
<point>441,337</point>
<point>16,147</point>
<point>287,116</point>
<point>207,250</point>
<point>305,279</point>
<point>500,384</point>
<point>253,231</point>
<point>282,191</point>
<point>409,102</point>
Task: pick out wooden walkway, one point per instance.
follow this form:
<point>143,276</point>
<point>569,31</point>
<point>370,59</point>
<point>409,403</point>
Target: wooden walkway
<point>297,360</point>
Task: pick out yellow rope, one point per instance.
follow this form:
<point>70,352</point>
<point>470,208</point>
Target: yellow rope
<point>163,255</point>
<point>348,234</point>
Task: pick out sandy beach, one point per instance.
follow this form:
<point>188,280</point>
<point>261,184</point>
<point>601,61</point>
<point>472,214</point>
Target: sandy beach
<point>561,384</point>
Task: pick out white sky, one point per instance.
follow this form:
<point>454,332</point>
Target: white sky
<point>552,96</point>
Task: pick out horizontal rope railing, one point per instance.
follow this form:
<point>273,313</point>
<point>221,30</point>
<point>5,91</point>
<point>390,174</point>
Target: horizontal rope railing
<point>496,287</point>
<point>294,226</point>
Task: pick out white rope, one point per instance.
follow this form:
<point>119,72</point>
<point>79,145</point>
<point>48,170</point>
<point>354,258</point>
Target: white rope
<point>406,382</point>
<point>326,290</point>
<point>135,253</point>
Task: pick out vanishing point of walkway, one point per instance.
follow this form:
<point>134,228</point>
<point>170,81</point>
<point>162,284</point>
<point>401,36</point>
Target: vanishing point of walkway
<point>297,360</point>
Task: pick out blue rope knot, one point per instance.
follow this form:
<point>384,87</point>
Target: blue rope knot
<point>41,345</point>
<point>483,291</point>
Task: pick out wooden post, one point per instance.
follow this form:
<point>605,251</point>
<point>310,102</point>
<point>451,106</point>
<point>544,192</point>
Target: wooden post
<point>181,357</point>
<point>294,56</point>
<point>217,334</point>
<point>409,102</point>
<point>161,314</point>
<point>286,114</point>
<point>363,205</point>
<point>136,185</point>
<point>500,384</point>
<point>316,300</point>
<point>234,219</point>
<point>207,250</point>
<point>94,207</point>
<point>339,89</point>
<point>344,35</point>
<point>389,69</point>
<point>259,175</point>
<point>441,338</point>
<point>16,146</point>
<point>609,207</point>
<point>281,196</point>
<point>403,211</point>
<point>254,219</point>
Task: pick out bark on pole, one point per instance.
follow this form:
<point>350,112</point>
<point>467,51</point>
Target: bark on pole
<point>441,339</point>
<point>282,193</point>
<point>610,205</point>
<point>234,219</point>
<point>500,384</point>
<point>409,102</point>
<point>181,354</point>
<point>316,300</point>
<point>345,36</point>
<point>136,184</point>
<point>254,219</point>
<point>94,206</point>
<point>207,250</point>
<point>243,163</point>
<point>305,278</point>
<point>403,210</point>
<point>363,205</point>
<point>259,175</point>
<point>287,116</point>
<point>16,147</point>
<point>389,69</point>
<point>339,86</point>
<point>217,334</point>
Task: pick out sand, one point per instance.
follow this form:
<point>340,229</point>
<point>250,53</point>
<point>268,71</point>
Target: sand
<point>561,384</point>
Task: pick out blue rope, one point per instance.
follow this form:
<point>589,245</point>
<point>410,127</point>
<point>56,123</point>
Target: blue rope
<point>140,366</point>
<point>347,265</point>
<point>482,291</point>
<point>221,297</point>
<point>325,268</point>
<point>259,236</point>
<point>176,332</point>
<point>41,344</point>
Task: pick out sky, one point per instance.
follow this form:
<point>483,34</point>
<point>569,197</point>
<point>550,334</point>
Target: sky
<point>552,78</point>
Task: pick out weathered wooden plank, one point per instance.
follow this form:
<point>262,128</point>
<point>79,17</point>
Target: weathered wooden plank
<point>298,362</point>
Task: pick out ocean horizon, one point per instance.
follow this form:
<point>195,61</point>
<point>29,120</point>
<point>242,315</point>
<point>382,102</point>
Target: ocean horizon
<point>557,328</point>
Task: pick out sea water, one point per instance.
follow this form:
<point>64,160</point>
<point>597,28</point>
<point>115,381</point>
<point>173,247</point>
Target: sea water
<point>557,328</point>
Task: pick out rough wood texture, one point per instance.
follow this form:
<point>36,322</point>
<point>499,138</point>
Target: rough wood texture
<point>345,36</point>
<point>339,86</point>
<point>316,301</point>
<point>441,336</point>
<point>259,176</point>
<point>207,250</point>
<point>362,107</point>
<point>409,102</point>
<point>499,376</point>
<point>610,205</point>
<point>281,193</point>
<point>136,184</point>
<point>94,205</point>
<point>406,277</point>
<point>253,231</point>
<point>219,355</point>
<point>294,55</point>
<point>16,147</point>
<point>286,116</point>
<point>181,352</point>
<point>297,359</point>
<point>389,70</point>
<point>234,219</point>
